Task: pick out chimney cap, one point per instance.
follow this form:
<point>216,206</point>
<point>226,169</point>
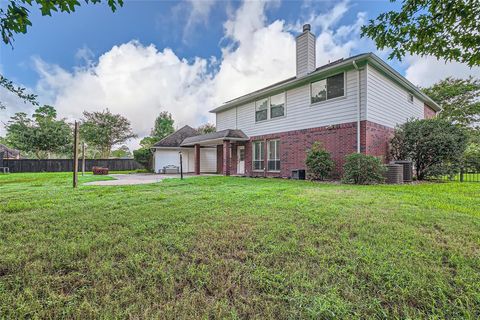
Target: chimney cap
<point>306,27</point>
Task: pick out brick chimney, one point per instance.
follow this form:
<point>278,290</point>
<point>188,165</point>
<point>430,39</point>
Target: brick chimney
<point>305,43</point>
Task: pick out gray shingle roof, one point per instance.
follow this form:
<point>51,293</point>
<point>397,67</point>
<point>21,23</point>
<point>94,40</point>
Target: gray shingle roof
<point>176,138</point>
<point>9,152</point>
<point>220,135</point>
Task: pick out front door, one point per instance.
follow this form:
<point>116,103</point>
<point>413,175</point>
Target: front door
<point>241,160</point>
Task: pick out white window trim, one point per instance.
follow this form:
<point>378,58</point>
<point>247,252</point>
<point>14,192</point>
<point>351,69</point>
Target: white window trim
<point>268,153</point>
<point>253,156</point>
<point>269,110</point>
<point>332,99</point>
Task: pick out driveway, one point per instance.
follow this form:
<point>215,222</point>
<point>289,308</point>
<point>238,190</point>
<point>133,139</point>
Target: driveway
<point>130,179</point>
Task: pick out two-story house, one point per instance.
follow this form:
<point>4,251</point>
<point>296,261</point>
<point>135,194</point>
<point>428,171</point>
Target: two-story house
<point>350,105</point>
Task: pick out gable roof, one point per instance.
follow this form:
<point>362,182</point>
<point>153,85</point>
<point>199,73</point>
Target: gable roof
<point>227,134</point>
<point>9,152</point>
<point>329,68</point>
<point>175,139</point>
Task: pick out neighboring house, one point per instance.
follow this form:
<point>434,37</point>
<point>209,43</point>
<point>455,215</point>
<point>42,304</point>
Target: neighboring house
<point>9,153</point>
<point>350,105</point>
<point>166,153</point>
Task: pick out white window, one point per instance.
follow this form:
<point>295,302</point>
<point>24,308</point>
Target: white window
<point>261,110</point>
<point>257,159</point>
<point>277,105</point>
<point>410,98</point>
<point>329,88</point>
<point>274,155</point>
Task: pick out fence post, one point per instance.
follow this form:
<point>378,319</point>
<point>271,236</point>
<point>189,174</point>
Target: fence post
<point>75,155</point>
<point>461,174</point>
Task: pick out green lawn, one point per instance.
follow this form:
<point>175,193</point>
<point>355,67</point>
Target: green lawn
<point>222,247</point>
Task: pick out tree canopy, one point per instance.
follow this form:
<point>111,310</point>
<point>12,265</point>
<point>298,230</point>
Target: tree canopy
<point>19,91</point>
<point>42,134</point>
<point>103,130</point>
<point>163,126</point>
<point>459,98</point>
<point>444,29</point>
<point>206,128</point>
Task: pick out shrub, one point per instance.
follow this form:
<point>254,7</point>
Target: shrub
<point>144,156</point>
<point>363,169</point>
<point>434,145</point>
<point>319,163</point>
<point>99,171</point>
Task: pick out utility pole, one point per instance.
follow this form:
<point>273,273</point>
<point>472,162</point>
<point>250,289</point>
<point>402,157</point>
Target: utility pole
<point>83,159</point>
<point>181,166</point>
<point>75,155</point>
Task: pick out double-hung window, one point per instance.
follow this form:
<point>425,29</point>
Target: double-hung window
<point>261,110</point>
<point>273,155</point>
<point>328,88</point>
<point>277,105</point>
<point>258,152</point>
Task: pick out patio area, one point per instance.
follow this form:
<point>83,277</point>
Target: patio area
<point>138,178</point>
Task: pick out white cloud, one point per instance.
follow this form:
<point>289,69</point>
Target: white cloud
<point>139,81</point>
<point>425,71</point>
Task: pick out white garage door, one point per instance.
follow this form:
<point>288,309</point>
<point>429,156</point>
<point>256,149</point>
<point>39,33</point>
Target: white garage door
<point>165,157</point>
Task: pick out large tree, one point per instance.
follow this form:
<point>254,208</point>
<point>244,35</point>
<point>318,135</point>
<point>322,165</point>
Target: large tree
<point>163,126</point>
<point>206,128</point>
<point>103,130</point>
<point>444,29</point>
<point>459,98</point>
<point>43,134</point>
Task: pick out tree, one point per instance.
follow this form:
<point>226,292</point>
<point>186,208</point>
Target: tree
<point>42,134</point>
<point>445,29</point>
<point>18,91</point>
<point>206,128</point>
<point>459,98</point>
<point>319,162</point>
<point>103,130</point>
<point>15,19</point>
<point>435,146</point>
<point>163,126</point>
<point>144,157</point>
<point>122,152</point>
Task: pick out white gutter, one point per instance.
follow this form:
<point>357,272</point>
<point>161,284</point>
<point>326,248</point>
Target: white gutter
<point>359,111</point>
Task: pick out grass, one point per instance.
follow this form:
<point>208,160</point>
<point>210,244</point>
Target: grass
<point>217,247</point>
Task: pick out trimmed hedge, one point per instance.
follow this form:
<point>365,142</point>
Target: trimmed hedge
<point>363,169</point>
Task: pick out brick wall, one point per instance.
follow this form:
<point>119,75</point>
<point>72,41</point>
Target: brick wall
<point>428,112</point>
<point>377,139</point>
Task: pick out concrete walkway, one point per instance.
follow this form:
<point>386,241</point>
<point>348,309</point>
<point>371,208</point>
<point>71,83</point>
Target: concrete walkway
<point>131,179</point>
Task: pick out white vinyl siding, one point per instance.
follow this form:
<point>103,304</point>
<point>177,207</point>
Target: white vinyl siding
<point>300,114</point>
<point>387,102</point>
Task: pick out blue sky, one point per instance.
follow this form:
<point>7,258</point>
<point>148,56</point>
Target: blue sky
<point>185,57</point>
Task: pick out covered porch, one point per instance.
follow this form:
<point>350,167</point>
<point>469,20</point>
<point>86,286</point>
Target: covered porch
<point>231,148</point>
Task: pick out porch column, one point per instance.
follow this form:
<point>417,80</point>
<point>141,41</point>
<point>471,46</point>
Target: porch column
<point>226,157</point>
<point>197,159</point>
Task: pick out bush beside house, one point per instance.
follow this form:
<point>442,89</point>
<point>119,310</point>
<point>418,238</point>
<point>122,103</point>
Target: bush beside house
<point>363,169</point>
<point>319,162</point>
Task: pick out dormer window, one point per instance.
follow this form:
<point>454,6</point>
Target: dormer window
<point>328,88</point>
<point>261,110</point>
<point>410,98</point>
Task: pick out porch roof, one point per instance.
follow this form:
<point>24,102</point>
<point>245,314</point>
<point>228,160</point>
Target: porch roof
<point>216,138</point>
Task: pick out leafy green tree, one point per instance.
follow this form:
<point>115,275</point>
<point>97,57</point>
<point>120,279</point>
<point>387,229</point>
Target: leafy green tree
<point>319,162</point>
<point>163,126</point>
<point>206,128</point>
<point>103,130</point>
<point>445,29</point>
<point>122,152</point>
<point>42,134</point>
<point>18,91</point>
<point>144,157</point>
<point>436,146</point>
<point>459,98</point>
<point>148,142</point>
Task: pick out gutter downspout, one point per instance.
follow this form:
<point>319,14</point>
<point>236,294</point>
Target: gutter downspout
<point>359,114</point>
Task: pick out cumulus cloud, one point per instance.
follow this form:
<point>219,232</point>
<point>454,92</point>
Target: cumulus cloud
<point>139,81</point>
<point>425,71</point>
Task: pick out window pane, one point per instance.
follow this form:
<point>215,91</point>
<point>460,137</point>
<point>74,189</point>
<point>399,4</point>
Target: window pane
<point>319,91</point>
<point>258,155</point>
<point>335,86</point>
<point>277,111</point>
<point>277,100</point>
<point>260,115</point>
<point>261,104</point>
<point>277,150</point>
<point>273,155</point>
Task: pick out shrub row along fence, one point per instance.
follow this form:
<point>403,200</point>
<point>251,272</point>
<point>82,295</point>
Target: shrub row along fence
<point>469,172</point>
<point>66,165</point>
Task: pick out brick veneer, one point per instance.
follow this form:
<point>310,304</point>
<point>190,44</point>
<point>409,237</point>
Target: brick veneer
<point>428,112</point>
<point>340,140</point>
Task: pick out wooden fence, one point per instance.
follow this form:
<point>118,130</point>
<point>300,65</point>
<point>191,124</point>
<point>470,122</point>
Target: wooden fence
<point>66,165</point>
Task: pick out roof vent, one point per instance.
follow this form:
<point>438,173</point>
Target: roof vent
<point>306,27</point>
